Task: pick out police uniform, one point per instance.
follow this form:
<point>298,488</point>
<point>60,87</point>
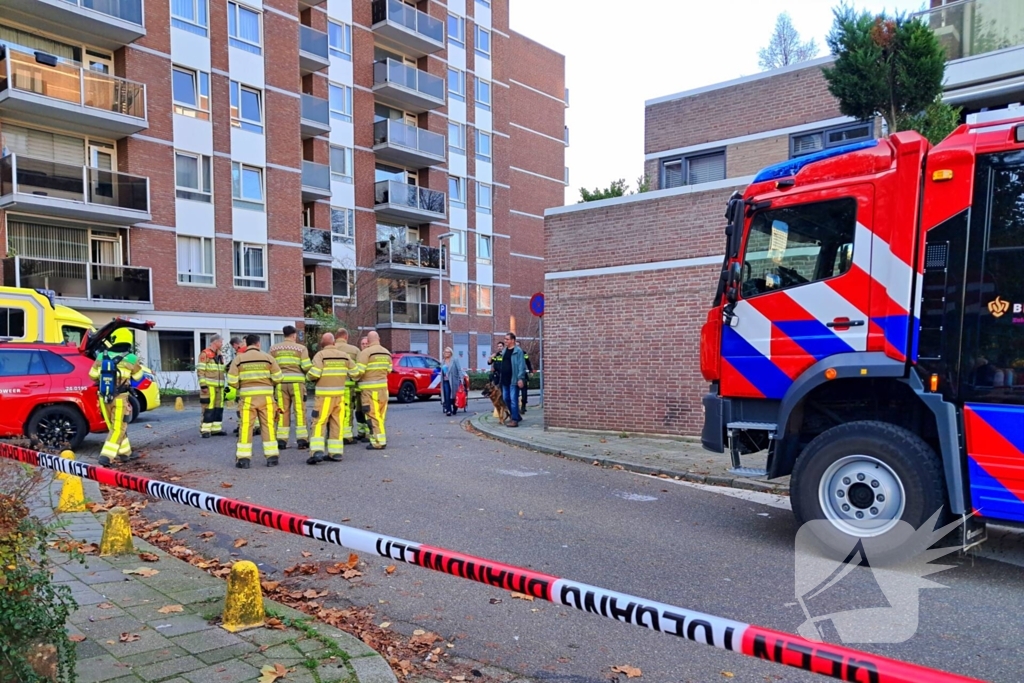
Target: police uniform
<point>526,381</point>
<point>255,374</point>
<point>332,371</point>
<point>372,368</point>
<point>212,381</point>
<point>116,408</point>
<point>293,358</point>
<point>354,406</point>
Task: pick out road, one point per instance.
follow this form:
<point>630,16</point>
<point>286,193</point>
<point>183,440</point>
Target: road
<point>686,545</point>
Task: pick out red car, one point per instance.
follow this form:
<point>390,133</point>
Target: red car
<point>414,376</point>
<point>45,389</point>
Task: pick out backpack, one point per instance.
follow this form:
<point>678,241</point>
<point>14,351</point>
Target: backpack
<point>108,377</point>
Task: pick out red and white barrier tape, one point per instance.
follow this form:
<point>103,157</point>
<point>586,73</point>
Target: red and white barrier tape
<point>838,662</point>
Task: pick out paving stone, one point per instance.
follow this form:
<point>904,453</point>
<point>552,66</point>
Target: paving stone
<point>148,640</point>
<point>173,583</point>
<point>179,624</point>
<point>226,672</point>
<point>210,594</point>
<point>92,613</point>
<point>154,656</point>
<point>88,648</point>
<point>169,667</point>
<point>282,652</point>
<point>105,576</point>
<point>222,654</point>
<point>84,595</point>
<point>131,593</point>
<point>203,641</point>
<point>338,672</point>
<point>61,575</point>
<point>268,636</point>
<point>91,565</point>
<point>98,669</point>
<point>349,644</point>
<point>110,628</point>
<point>372,670</point>
<point>309,646</point>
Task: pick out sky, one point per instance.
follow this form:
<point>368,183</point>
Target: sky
<point>620,54</point>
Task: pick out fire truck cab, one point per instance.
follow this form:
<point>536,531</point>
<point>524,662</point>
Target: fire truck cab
<point>868,332</point>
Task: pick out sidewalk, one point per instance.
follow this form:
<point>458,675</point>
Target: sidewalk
<point>681,458</point>
<point>132,628</point>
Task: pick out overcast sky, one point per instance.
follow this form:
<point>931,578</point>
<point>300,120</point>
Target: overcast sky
<point>620,54</point>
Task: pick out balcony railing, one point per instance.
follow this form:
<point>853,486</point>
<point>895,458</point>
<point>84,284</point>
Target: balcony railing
<point>82,281</point>
<point>316,241</point>
<point>313,54</point>
<point>316,178</point>
<point>24,72</point>
<point>408,27</point>
<point>316,304</point>
<point>408,141</point>
<point>974,27</point>
<point>408,255</point>
<point>417,89</point>
<point>316,109</point>
<point>125,10</point>
<point>39,180</point>
<point>406,313</point>
<point>403,197</point>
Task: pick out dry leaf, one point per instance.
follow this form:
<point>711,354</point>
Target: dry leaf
<point>105,605</point>
<point>385,624</point>
<point>458,678</point>
<point>386,481</point>
<point>728,674</point>
<point>88,548</point>
<point>76,638</point>
<point>141,571</point>
<point>421,637</point>
<point>149,557</point>
<point>351,574</point>
<point>129,637</point>
<point>306,554</point>
<point>175,528</point>
<point>310,594</point>
<point>207,534</point>
<point>225,485</point>
<point>630,671</point>
<point>168,609</point>
<point>273,623</point>
<point>522,596</point>
<point>270,585</point>
<point>346,519</point>
<point>559,511</point>
<point>333,570</point>
<point>239,542</point>
<point>271,672</point>
<point>390,569</point>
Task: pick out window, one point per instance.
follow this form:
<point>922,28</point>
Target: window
<point>244,28</point>
<point>459,299</point>
<point>693,170</point>
<point>195,260</point>
<point>246,112</point>
<point>808,143</point>
<point>457,30</point>
<point>483,94</point>
<point>483,146</point>
<point>343,226</point>
<point>1006,215</point>
<point>455,195</point>
<point>177,351</point>
<point>192,177</point>
<point>55,365</point>
<point>457,84</point>
<point>344,283</point>
<point>457,137</point>
<point>250,265</point>
<point>484,299</point>
<point>247,186</point>
<point>484,3</point>
<point>799,244</point>
<point>191,92</point>
<point>457,243</point>
<point>482,38</point>
<point>483,248</point>
<point>341,102</point>
<point>12,323</point>
<point>189,15</point>
<point>341,163</point>
<point>339,37</point>
<point>20,363</point>
<point>484,197</point>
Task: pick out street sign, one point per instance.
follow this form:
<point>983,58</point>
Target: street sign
<point>537,304</point>
<point>442,313</point>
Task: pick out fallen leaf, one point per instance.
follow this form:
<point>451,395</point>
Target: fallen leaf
<point>110,642</point>
<point>239,542</point>
<point>390,569</point>
<point>630,671</point>
<point>225,485</point>
<point>175,528</point>
<point>88,548</point>
<point>522,596</point>
<point>180,550</point>
<point>141,571</point>
<point>105,605</point>
<point>310,594</point>
<point>351,574</point>
<point>306,554</point>
<point>520,513</point>
<point>346,519</point>
<point>458,678</point>
<point>271,672</point>
<point>168,609</point>
<point>76,638</point>
<point>385,624</point>
<point>270,585</point>
<point>386,481</point>
<point>149,557</point>
<point>129,637</point>
<point>207,534</point>
<point>559,511</point>
<point>421,637</point>
<point>333,570</point>
<point>274,623</point>
<point>728,674</point>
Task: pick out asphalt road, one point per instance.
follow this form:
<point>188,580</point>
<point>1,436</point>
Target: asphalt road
<point>684,545</point>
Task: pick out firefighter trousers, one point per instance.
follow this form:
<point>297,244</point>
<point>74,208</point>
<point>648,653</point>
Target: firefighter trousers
<point>253,409</point>
<point>116,414</point>
<point>328,420</point>
<point>212,400</point>
<point>375,403</point>
<point>291,402</point>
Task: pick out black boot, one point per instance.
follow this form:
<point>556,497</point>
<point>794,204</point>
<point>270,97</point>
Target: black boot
<point>242,463</point>
<point>282,444</point>
<point>302,444</point>
<point>272,461</point>
<point>206,435</point>
<point>314,458</point>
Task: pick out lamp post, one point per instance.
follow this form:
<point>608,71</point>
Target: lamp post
<point>440,293</point>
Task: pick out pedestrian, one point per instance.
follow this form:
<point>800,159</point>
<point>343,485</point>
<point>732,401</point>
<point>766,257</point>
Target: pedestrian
<point>332,371</point>
<point>495,362</point>
<point>451,378</point>
<point>372,370</point>
<point>526,381</point>
<point>211,371</point>
<point>513,377</point>
<point>293,358</point>
<point>255,374</point>
<point>354,405</point>
<point>113,371</point>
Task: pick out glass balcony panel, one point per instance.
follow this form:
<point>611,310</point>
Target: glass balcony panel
<point>316,241</point>
<point>975,27</point>
<point>312,41</point>
<point>118,189</point>
<point>126,10</point>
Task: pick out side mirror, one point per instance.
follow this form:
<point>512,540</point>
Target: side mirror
<point>732,285</point>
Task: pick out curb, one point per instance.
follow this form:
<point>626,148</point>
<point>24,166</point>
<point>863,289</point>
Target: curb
<point>478,424</point>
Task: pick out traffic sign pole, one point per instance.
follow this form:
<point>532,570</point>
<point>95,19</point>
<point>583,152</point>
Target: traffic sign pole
<point>537,308</point>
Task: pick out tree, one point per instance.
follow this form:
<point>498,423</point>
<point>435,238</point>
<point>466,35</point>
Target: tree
<point>885,66</point>
<point>936,122</point>
<point>784,47</point>
<point>616,189</point>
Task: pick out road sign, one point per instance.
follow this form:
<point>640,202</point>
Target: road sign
<point>442,313</point>
<point>537,304</point>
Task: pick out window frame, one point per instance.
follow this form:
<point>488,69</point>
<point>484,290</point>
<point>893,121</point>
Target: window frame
<point>482,207</point>
<point>479,100</point>
<point>205,174</point>
<point>237,246</point>
<point>459,94</point>
<point>824,133</point>
<point>460,34</point>
<point>200,29</point>
<point>480,309</point>
<point>351,277</point>
<point>457,247</point>
<point>6,312</point>
<point>240,201</point>
<point>238,119</point>
<point>345,113</point>
<point>482,239</point>
<point>685,161</point>
<point>200,81</point>
<point>346,40</point>
<point>461,305</point>
<point>460,148</point>
<point>345,175</point>
<point>238,42</point>
<point>191,275</point>
<point>484,135</point>
<point>460,193</point>
<point>479,30</point>
<point>348,235</point>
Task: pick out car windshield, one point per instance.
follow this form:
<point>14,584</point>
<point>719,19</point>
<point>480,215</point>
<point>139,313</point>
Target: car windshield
<point>73,334</point>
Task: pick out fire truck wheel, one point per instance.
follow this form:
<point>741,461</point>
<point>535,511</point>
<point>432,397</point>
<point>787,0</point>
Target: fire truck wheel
<point>871,483</point>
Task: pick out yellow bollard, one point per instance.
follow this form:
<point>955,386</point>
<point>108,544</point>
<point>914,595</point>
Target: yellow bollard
<point>117,534</point>
<point>179,405</point>
<point>72,496</point>
<point>243,605</point>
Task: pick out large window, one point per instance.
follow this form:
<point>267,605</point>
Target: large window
<point>808,143</point>
<point>191,92</point>
<point>341,102</point>
<point>250,265</point>
<point>456,187</point>
<point>343,226</point>
<point>339,38</point>
<point>484,197</point>
<point>246,109</point>
<point>459,298</point>
<point>244,28</point>
<point>247,186</point>
<point>483,248</point>
<point>482,93</point>
<point>344,285</point>
<point>341,163</point>
<point>456,30</point>
<point>192,177</point>
<point>12,323</point>
<point>483,146</point>
<point>457,244</point>
<point>484,299</point>
<point>692,170</point>
<point>190,15</point>
<point>177,351</point>
<point>795,245</point>
<point>195,260</point>
<point>483,42</point>
<point>457,137</point>
<point>457,84</point>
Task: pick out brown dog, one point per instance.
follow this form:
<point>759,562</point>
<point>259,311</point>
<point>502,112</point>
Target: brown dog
<point>493,392</point>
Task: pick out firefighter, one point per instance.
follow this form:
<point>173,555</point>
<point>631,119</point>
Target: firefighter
<point>293,358</point>
<point>238,346</point>
<point>113,371</point>
<point>255,374</point>
<point>332,371</point>
<point>354,404</point>
<point>372,370</point>
<point>211,372</point>
<point>362,410</point>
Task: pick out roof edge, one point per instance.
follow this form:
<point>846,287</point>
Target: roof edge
<point>742,181</point>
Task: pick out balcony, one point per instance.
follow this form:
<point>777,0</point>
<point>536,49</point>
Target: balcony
<point>411,31</point>
<point>316,246</point>
<point>408,203</point>
<point>315,117</point>
<point>316,304</point>
<point>316,181</point>
<point>84,285</point>
<point>69,96</point>
<point>110,24</point>
<point>407,261</point>
<point>312,50</point>
<point>66,191</point>
<point>406,87</point>
<point>406,314</point>
<point>310,3</point>
<point>400,143</point>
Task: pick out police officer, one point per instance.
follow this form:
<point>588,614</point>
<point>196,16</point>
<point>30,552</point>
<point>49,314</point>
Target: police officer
<point>255,373</point>
<point>293,358</point>
<point>372,370</point>
<point>354,405</point>
<point>495,363</point>
<point>113,371</point>
<point>211,371</point>
<point>529,371</point>
<point>332,370</point>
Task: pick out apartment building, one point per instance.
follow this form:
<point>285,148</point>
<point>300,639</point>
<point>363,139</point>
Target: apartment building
<point>642,293</point>
<point>232,166</point>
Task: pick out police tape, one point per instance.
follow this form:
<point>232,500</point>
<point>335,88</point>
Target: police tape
<point>843,663</point>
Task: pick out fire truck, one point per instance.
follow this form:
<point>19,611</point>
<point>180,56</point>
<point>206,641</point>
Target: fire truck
<point>868,333</point>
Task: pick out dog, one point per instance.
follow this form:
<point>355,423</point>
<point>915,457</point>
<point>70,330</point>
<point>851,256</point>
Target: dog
<point>501,411</point>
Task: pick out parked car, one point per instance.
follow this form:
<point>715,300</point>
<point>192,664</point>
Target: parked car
<point>414,376</point>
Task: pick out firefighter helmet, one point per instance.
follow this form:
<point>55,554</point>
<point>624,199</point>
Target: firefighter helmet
<point>121,340</point>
